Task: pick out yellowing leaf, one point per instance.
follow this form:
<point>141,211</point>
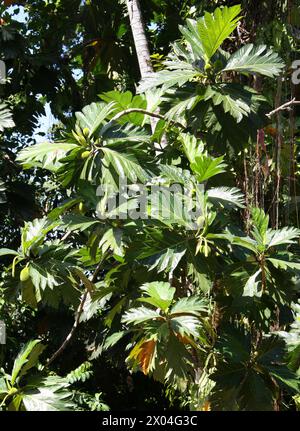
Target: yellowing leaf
<point>146,355</point>
<point>206,407</point>
<point>143,354</point>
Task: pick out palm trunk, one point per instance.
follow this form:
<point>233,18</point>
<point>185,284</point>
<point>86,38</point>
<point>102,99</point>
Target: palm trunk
<point>139,36</point>
<point>143,52</point>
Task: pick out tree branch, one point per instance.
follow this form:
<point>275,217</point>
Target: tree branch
<point>145,112</point>
<point>76,322</point>
<point>285,107</point>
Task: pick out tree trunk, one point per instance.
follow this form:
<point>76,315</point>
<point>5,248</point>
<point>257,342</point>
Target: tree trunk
<point>139,36</point>
<point>143,53</point>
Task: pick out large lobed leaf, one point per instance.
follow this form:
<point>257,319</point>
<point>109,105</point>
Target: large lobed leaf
<point>226,196</point>
<point>234,100</point>
<point>251,59</point>
<point>206,167</point>
<point>135,316</point>
<point>168,78</point>
<point>93,116</point>
<point>45,155</point>
<point>160,294</point>
<point>6,119</point>
<point>125,165</point>
<point>215,27</point>
<point>26,359</point>
<point>189,305</point>
<point>47,394</point>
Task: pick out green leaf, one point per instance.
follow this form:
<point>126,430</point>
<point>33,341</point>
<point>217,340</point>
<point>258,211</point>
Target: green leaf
<point>114,339</point>
<point>189,305</point>
<point>245,242</point>
<point>75,222</point>
<point>166,258</point>
<point>191,35</point>
<point>286,235</point>
<point>286,378</point>
<point>126,135</point>
<point>125,165</point>
<point>260,222</point>
<point>175,175</point>
<point>81,373</point>
<point>95,304</point>
<point>3,190</point>
<point>59,210</point>
<point>179,110</point>
<point>34,233</point>
<point>3,387</point>
<point>135,316</point>
<point>192,146</point>
<point>125,100</point>
<point>94,115</point>
<point>43,276</point>
<point>233,100</point>
<point>226,196</point>
<point>251,59</point>
<point>254,394</point>
<point>7,252</point>
<point>44,155</point>
<point>6,119</point>
<point>161,294</point>
<point>114,311</point>
<point>178,360</point>
<point>270,350</point>
<point>186,325</point>
<point>206,167</point>
<point>112,239</point>
<point>215,27</point>
<point>26,359</point>
<point>171,206</point>
<point>167,78</point>
<point>235,345</point>
<point>47,394</point>
<point>15,403</point>
<point>251,287</point>
<point>283,262</point>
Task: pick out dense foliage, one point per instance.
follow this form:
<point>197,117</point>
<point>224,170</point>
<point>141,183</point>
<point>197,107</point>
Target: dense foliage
<point>180,290</point>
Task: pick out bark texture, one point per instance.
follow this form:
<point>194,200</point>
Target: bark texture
<point>143,53</point>
<point>139,36</point>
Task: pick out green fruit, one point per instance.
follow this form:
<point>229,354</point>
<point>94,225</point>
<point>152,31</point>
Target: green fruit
<point>24,274</point>
<point>82,208</point>
<point>85,154</point>
<point>86,132</point>
<point>208,67</point>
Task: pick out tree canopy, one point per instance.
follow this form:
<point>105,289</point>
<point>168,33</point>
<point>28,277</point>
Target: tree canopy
<point>149,205</point>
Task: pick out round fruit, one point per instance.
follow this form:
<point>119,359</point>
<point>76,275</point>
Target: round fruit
<point>24,274</point>
<point>85,154</point>
<point>86,131</point>
<point>208,67</point>
<point>82,208</point>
